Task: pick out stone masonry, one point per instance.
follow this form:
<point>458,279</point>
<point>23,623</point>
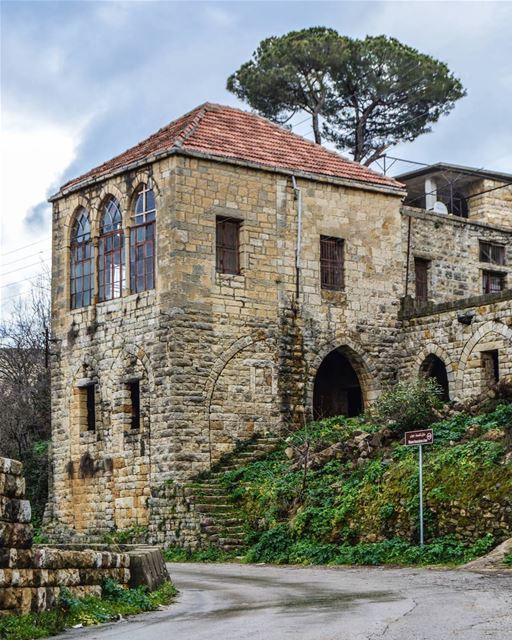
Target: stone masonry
<point>31,578</point>
<point>221,358</point>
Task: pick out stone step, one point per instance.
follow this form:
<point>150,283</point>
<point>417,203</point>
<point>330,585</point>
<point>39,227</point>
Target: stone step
<point>215,508</point>
<point>216,528</point>
<point>211,499</point>
<point>230,541</point>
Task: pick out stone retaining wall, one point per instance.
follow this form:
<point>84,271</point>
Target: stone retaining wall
<point>31,577</point>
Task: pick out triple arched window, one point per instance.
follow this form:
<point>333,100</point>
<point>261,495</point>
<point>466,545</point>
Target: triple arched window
<point>111,263</point>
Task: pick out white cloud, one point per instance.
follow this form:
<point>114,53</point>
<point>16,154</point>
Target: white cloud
<point>219,17</point>
<point>34,155</point>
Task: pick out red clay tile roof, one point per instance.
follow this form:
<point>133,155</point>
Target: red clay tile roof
<point>229,133</point>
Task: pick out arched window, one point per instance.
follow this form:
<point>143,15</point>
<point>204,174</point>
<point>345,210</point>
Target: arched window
<point>82,261</point>
<point>142,241</point>
<point>111,252</point>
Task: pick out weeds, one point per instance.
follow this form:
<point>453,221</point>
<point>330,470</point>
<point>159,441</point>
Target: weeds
<point>115,601</point>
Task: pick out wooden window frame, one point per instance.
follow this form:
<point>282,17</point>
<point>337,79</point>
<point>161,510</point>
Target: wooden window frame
<point>142,242</point>
<point>488,277</point>
<point>492,252</point>
<point>332,263</point>
<point>111,254</point>
<point>421,287</point>
<point>227,252</point>
<point>81,280</point>
<point>142,257</point>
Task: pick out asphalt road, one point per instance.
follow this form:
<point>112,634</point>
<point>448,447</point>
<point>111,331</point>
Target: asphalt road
<point>238,602</point>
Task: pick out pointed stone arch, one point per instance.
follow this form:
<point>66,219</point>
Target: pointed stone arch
<point>364,369</point>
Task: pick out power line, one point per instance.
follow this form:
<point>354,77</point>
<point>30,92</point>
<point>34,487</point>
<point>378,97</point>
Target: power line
<point>24,247</point>
<point>30,255</point>
<point>27,266</point>
<point>11,284</point>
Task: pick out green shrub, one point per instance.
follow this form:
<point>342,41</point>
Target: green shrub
<point>71,611</point>
<point>408,405</point>
<point>508,559</point>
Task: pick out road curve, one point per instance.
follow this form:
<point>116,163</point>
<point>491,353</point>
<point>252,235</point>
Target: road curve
<point>239,602</point>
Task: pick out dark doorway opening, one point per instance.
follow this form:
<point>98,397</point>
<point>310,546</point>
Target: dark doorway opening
<point>434,367</point>
<point>337,390</point>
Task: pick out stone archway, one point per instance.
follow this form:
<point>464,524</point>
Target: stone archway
<point>492,338</point>
<point>433,367</point>
<point>337,387</point>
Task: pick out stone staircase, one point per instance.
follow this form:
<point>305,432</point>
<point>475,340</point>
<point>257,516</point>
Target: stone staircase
<point>220,522</point>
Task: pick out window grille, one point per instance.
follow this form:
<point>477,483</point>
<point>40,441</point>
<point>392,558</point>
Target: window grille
<point>421,275</point>
<point>493,281</point>
<point>332,263</point>
<point>142,242</point>
<point>228,245</point>
<point>111,252</point>
<point>82,261</point>
<point>492,253</point>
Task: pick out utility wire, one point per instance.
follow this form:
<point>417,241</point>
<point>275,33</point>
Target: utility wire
<point>30,255</point>
<point>27,266</point>
<point>24,247</point>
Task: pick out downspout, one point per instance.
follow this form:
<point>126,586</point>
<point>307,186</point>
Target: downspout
<point>407,266</point>
<point>298,198</point>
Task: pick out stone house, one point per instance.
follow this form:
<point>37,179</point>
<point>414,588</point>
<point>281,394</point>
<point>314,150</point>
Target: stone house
<point>226,278</point>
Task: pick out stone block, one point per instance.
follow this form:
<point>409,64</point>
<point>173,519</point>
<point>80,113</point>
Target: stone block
<point>15,558</point>
<point>17,536</point>
<point>147,567</point>
<point>11,485</point>
<point>15,510</point>
<point>9,466</point>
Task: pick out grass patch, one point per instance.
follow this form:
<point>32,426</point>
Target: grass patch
<point>212,554</point>
<point>344,512</point>
<point>115,601</point>
<point>508,559</point>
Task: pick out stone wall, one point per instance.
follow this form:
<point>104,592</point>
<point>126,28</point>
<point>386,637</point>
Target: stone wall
<point>31,578</point>
<point>490,201</point>
<point>221,357</point>
<point>461,334</point>
<point>451,245</point>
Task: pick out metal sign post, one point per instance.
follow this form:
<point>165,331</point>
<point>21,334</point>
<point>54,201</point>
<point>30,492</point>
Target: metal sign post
<point>418,439</point>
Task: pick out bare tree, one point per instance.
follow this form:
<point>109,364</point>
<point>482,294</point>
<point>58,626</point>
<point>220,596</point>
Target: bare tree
<point>25,387</point>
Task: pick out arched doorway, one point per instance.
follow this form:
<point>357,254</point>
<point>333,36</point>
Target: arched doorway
<point>337,389</point>
<point>434,367</point>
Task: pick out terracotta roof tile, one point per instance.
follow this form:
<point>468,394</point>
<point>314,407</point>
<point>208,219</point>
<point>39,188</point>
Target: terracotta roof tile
<point>226,132</point>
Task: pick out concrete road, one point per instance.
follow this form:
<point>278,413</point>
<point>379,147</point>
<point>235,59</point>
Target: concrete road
<point>238,602</point>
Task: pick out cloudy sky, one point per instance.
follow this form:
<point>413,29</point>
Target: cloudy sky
<point>83,80</point>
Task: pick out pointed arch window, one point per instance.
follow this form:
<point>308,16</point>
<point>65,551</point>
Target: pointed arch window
<point>142,241</point>
<point>111,252</point>
<point>82,261</point>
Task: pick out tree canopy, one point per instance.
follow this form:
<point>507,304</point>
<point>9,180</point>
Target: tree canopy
<point>370,94</point>
<point>292,73</point>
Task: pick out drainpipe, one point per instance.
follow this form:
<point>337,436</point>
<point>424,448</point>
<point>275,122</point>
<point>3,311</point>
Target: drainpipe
<point>298,198</point>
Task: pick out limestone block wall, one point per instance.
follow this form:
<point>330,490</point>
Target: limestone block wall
<point>31,578</point>
<point>220,357</point>
<point>462,347</point>
<point>490,201</point>
<point>451,245</point>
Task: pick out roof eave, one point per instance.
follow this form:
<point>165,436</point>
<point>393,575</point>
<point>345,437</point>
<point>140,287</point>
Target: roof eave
<point>455,168</point>
<point>318,177</point>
